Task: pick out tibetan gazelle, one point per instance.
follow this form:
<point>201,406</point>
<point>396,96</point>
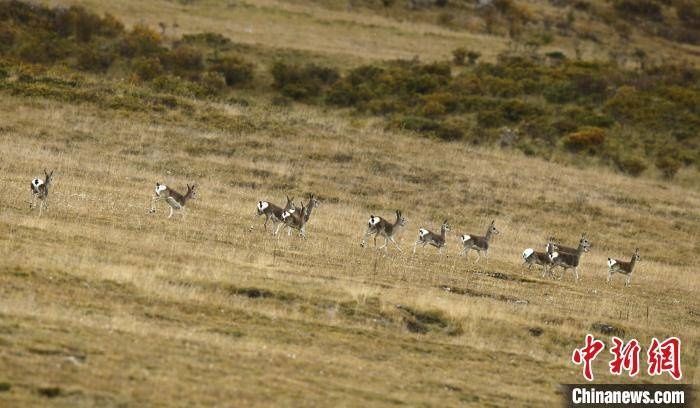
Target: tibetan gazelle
<point>40,190</point>
<point>532,257</point>
<point>567,260</point>
<point>175,200</point>
<point>479,243</point>
<point>426,237</point>
<point>273,212</point>
<point>623,267</point>
<point>379,226</point>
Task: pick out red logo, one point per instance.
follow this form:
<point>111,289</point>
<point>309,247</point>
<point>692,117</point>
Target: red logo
<point>665,357</point>
<point>587,354</point>
<point>662,357</point>
<point>625,358</point>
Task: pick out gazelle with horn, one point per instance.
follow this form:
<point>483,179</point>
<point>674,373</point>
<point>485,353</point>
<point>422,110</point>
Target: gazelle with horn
<point>40,191</point>
<point>272,211</point>
<point>426,237</point>
<point>308,209</point>
<point>379,226</point>
<point>623,267</point>
<point>479,243</point>
<point>175,200</point>
<point>567,260</point>
<point>532,257</point>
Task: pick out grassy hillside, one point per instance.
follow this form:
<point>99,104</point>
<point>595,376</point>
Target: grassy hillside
<point>101,303</point>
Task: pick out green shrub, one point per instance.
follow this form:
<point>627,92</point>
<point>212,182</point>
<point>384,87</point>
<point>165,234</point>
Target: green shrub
<point>587,139</point>
<point>183,59</point>
<point>302,82</point>
<point>42,49</point>
<point>93,59</point>
<point>213,82</point>
<point>458,55</point>
<point>147,68</point>
<point>472,56</point>
<point>141,41</point>
<point>648,9</point>
<point>668,165</point>
<point>235,70</point>
<point>631,164</point>
<point>176,85</point>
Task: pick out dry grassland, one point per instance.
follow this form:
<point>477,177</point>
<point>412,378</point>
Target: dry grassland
<point>103,304</point>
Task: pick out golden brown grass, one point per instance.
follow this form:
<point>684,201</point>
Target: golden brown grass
<point>352,35</point>
<point>102,303</point>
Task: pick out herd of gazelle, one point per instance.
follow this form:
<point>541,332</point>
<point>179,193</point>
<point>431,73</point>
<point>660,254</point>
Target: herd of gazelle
<point>297,218</point>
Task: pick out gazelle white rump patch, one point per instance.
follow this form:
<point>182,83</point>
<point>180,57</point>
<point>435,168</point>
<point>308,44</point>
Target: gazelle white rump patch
<point>527,253</point>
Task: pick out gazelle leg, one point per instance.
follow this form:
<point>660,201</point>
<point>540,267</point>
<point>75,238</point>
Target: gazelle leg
<point>627,280</point>
<point>415,245</point>
<point>277,229</point>
<point>41,207</point>
<point>386,241</point>
<point>610,272</point>
<point>364,238</point>
<point>397,245</point>
<point>289,231</point>
<point>171,212</point>
<point>464,249</point>
<point>576,273</point>
<point>478,253</point>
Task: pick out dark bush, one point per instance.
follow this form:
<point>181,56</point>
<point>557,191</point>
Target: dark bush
<point>183,59</point>
<point>648,9</point>
<point>302,82</point>
<point>147,68</point>
<point>587,139</point>
<point>93,59</point>
<point>141,41</point>
<point>235,70</point>
<point>213,82</point>
<point>668,165</point>
<point>630,164</point>
<point>458,55</point>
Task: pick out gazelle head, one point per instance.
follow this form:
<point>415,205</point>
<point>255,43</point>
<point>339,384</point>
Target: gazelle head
<point>584,243</point>
<point>400,219</point>
<point>49,177</point>
<point>636,256</point>
<point>492,228</point>
<point>445,226</point>
<point>290,204</point>
<point>191,191</point>
<point>160,188</point>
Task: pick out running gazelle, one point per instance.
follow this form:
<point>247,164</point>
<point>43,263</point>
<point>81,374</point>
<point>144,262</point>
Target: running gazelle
<point>272,211</point>
<point>532,257</point>
<point>306,213</point>
<point>426,237</point>
<point>569,261</point>
<point>40,190</point>
<point>379,226</point>
<point>623,267</point>
<point>175,200</point>
<point>478,243</point>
